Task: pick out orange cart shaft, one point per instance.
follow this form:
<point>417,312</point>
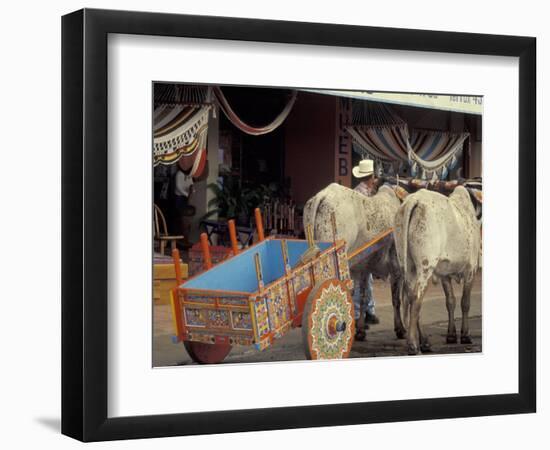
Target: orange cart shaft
<point>206,251</point>
<point>177,265</point>
<point>259,224</point>
<point>233,237</point>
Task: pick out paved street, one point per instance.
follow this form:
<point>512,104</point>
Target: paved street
<point>381,340</point>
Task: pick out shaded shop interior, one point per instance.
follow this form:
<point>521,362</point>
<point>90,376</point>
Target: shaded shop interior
<point>246,147</point>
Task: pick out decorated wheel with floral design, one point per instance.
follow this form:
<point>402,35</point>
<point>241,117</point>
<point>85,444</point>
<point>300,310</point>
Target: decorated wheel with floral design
<point>204,353</point>
<point>328,327</point>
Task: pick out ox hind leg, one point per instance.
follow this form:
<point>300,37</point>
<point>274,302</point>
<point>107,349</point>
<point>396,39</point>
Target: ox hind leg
<point>425,345</point>
<point>450,301</point>
<point>465,337</point>
<point>415,337</point>
<point>406,303</point>
<point>398,327</point>
<point>397,294</point>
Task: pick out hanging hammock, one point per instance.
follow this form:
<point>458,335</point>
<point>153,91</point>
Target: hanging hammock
<point>246,128</point>
<point>181,131</point>
<point>180,126</point>
<point>434,150</point>
<point>379,134</point>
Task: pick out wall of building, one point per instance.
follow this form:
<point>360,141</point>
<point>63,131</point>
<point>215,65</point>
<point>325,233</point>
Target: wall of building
<point>309,145</point>
<point>423,118</point>
<point>475,160</point>
<point>201,194</point>
<point>476,165</point>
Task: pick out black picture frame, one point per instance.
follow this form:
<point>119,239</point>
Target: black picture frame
<point>84,224</point>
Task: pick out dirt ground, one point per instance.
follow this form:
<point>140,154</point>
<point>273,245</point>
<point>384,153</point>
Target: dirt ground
<point>381,340</point>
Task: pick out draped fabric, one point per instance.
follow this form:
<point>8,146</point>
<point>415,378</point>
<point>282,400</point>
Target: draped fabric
<point>246,128</point>
<point>379,134</point>
<point>435,151</point>
<point>180,131</point>
<point>180,125</point>
<point>385,143</point>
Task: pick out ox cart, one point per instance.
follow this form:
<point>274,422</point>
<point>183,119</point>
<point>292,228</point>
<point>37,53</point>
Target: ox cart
<point>258,294</point>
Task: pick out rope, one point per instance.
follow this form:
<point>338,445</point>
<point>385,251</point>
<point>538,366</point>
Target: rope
<point>178,94</point>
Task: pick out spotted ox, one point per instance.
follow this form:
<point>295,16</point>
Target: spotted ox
<point>359,219</point>
<point>437,236</point>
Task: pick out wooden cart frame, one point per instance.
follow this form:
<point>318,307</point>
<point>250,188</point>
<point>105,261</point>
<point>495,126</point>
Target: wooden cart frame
<point>312,292</point>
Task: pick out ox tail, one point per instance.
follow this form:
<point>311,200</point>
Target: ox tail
<point>408,208</point>
<point>310,210</point>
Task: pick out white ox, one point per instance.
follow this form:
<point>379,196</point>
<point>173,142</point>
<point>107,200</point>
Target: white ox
<point>359,219</point>
<point>437,235</point>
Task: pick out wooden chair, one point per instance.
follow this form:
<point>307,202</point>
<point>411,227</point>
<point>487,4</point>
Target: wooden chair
<point>161,232</point>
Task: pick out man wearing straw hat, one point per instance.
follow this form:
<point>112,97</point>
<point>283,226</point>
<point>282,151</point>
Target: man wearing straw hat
<point>362,291</point>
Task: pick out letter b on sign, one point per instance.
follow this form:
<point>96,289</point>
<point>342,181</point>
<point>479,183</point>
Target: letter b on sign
<point>343,167</point>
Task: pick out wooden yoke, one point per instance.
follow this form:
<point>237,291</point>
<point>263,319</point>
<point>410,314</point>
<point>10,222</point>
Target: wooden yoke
<point>177,265</point>
<point>259,224</point>
<point>233,237</point>
<point>206,251</point>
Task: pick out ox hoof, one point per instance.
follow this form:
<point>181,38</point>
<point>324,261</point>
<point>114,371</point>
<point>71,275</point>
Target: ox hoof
<point>400,333</point>
<point>360,335</point>
<point>372,319</point>
<point>426,347</point>
<point>412,350</point>
<point>465,340</point>
<point>451,339</point>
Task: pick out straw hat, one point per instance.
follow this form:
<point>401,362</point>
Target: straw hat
<point>364,169</point>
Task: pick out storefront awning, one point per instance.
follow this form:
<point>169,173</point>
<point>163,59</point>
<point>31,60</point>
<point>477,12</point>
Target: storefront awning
<point>457,103</point>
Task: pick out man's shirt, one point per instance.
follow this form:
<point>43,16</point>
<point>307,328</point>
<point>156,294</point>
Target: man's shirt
<point>362,188</point>
<point>183,184</point>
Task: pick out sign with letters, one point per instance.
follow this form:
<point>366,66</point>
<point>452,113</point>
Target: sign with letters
<point>342,145</point>
<point>469,104</point>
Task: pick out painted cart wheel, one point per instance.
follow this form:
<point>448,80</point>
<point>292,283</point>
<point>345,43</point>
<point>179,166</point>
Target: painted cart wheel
<point>203,353</point>
<point>328,327</point>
